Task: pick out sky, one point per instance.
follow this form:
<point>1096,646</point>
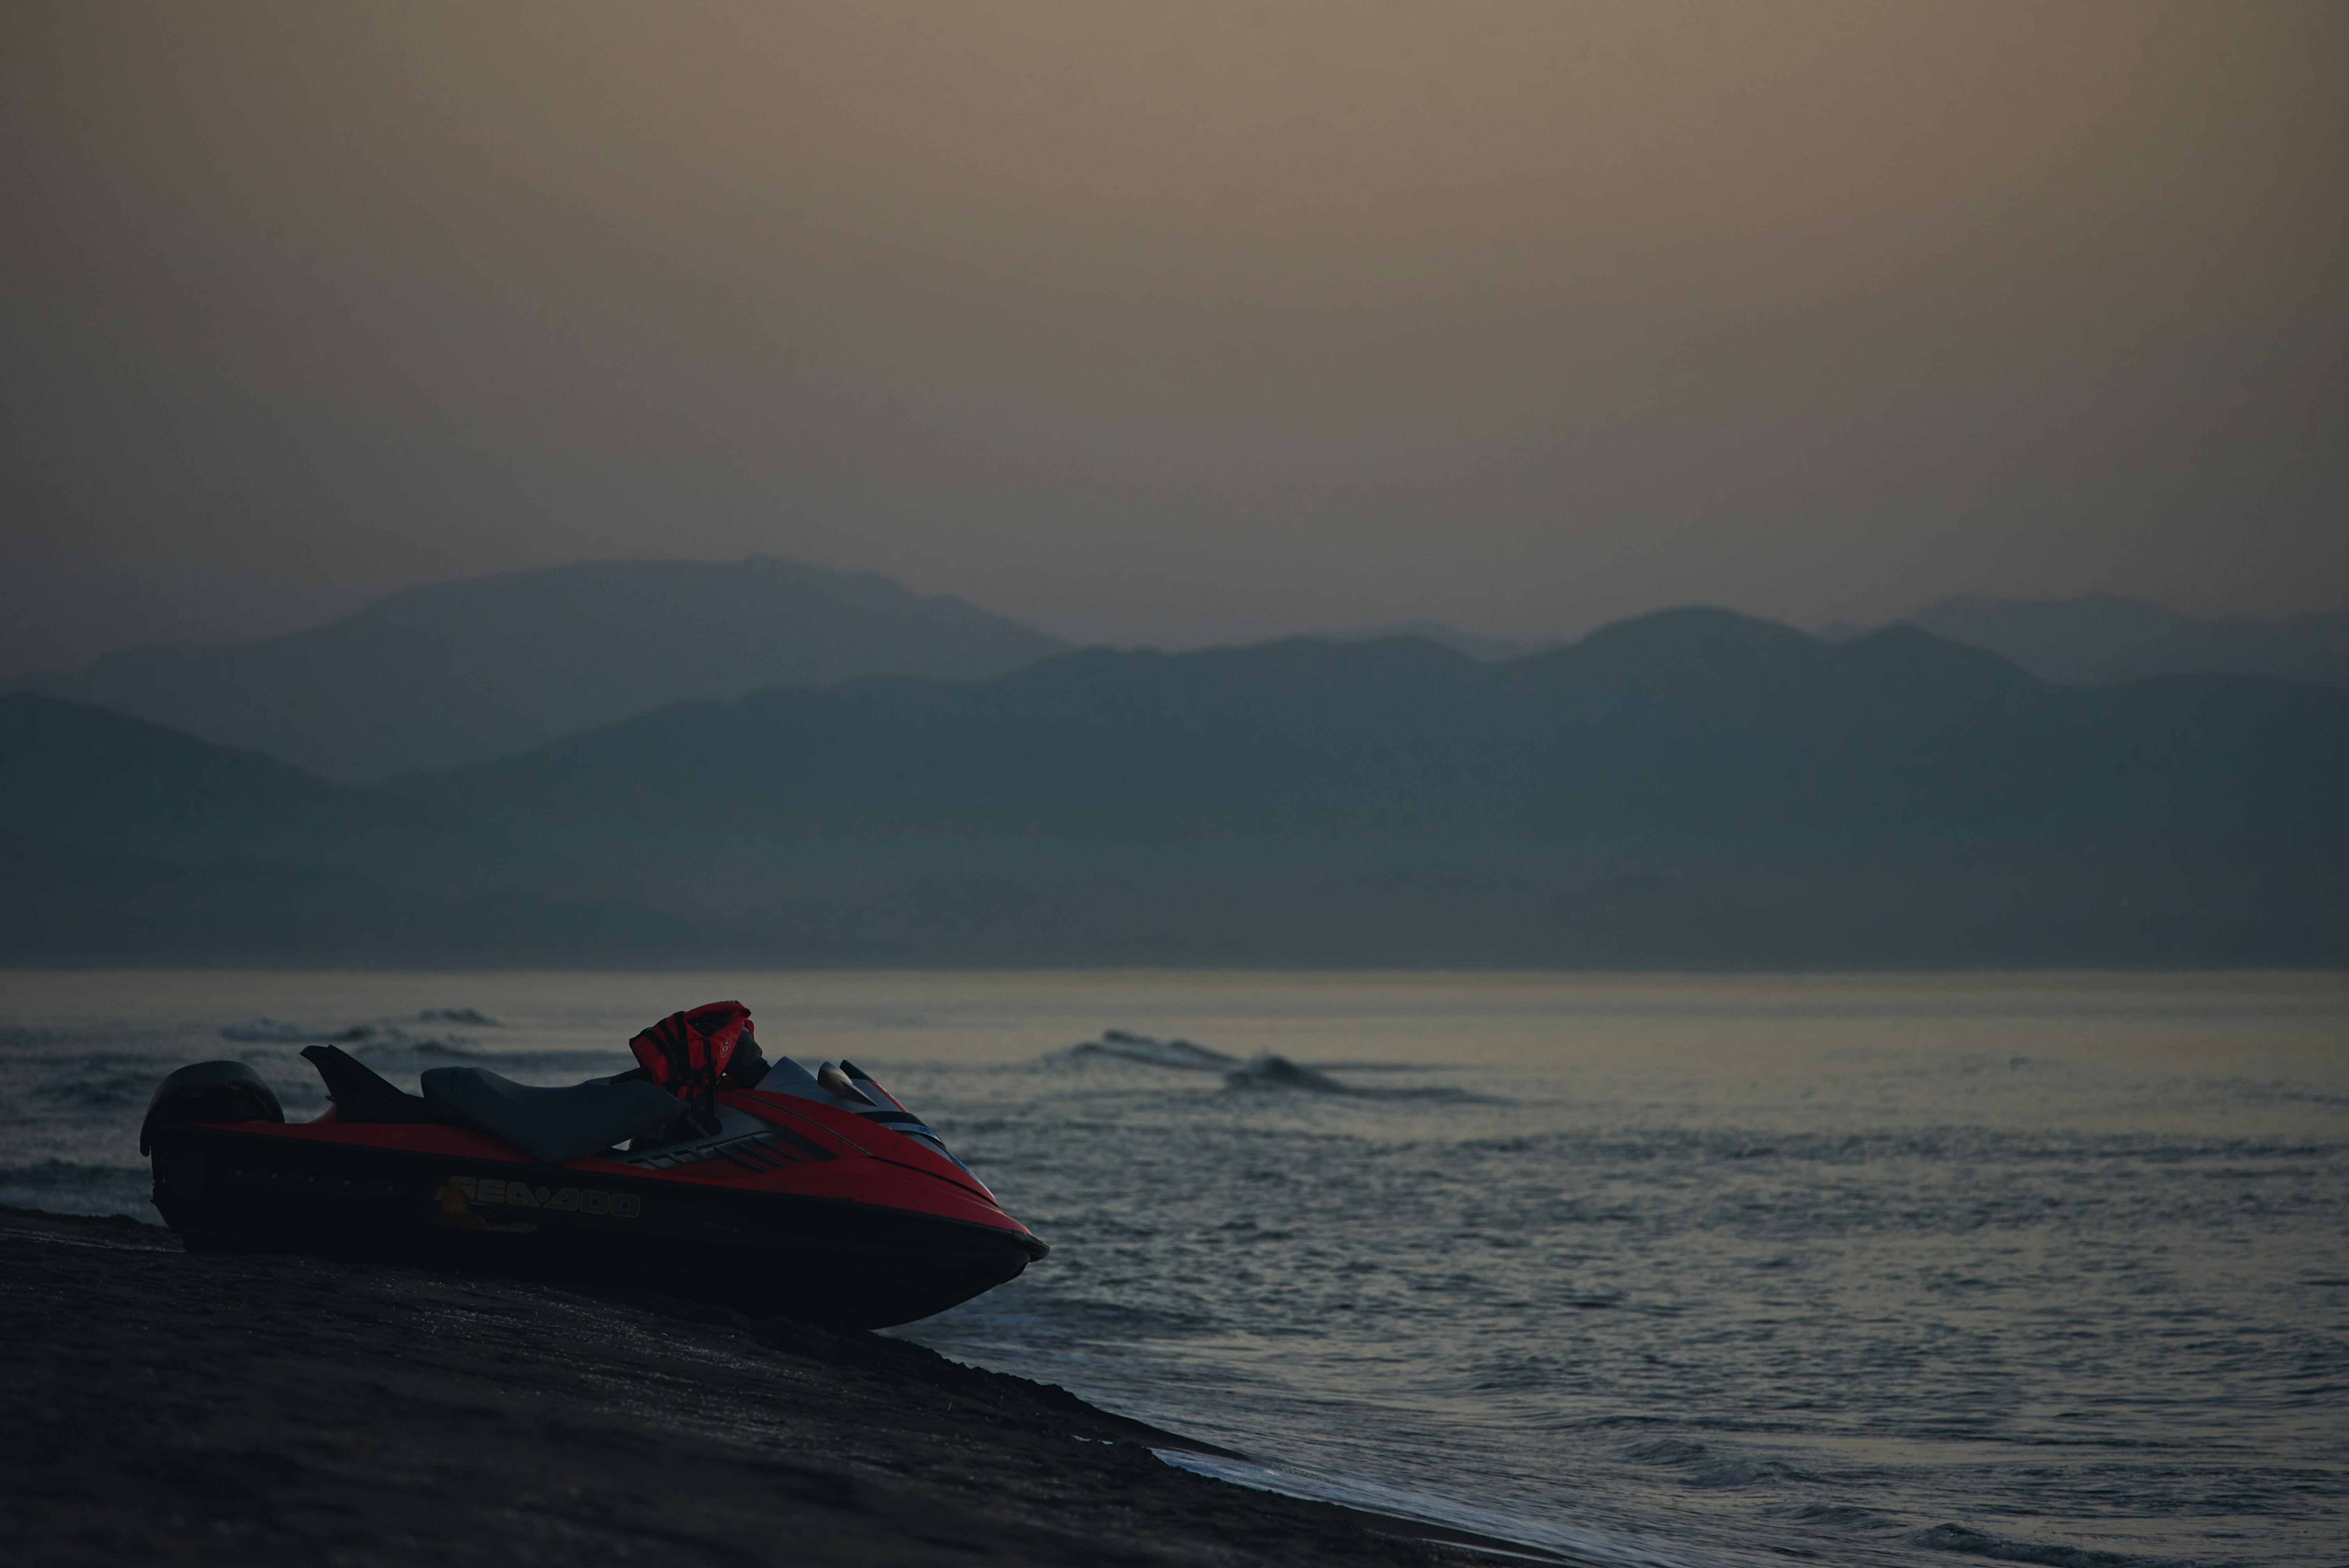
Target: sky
<point>1175,324</point>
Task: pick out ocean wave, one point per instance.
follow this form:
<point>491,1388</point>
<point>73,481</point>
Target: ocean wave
<point>1741,1473</point>
<point>57,1175</point>
<point>1382,1496</point>
<point>1031,1315</point>
<point>276,1032</point>
<point>473,1015</point>
<point>1982,1543</point>
<point>1429,1094</point>
<point>1125,1046</point>
<point>1839,1516</point>
<point>1666,1451</point>
<point>101,1084</point>
<point>383,1050</point>
<point>68,1187</point>
<point>1267,1070</point>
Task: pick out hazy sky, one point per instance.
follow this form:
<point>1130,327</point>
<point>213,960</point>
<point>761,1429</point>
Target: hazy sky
<point>1174,322</point>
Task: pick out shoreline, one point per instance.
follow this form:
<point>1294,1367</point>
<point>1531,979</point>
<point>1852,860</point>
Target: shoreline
<point>263,1408</point>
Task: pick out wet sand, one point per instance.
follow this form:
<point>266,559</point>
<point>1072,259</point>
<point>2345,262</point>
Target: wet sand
<point>161,1406</point>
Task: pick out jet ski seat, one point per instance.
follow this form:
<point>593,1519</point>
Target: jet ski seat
<point>556,1125</point>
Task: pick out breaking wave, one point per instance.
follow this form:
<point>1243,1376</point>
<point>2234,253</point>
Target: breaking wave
<point>278,1032</point>
<point>68,1187</point>
<point>1123,1046</point>
<point>273,1032</point>
<point>1267,1070</point>
<point>100,1085</point>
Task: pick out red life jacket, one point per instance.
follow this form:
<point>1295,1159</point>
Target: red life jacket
<point>686,1053</point>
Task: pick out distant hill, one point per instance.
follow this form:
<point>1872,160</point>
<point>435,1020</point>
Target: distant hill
<point>1692,787</point>
<point>80,774</point>
<point>1476,645</point>
<point>123,841</point>
<point>456,672</point>
<point>1693,729</point>
<point>2101,640</point>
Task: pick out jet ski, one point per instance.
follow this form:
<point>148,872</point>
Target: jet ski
<point>705,1172</point>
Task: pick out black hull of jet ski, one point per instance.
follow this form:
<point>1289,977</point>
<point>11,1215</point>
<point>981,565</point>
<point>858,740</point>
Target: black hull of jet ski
<point>826,1260</point>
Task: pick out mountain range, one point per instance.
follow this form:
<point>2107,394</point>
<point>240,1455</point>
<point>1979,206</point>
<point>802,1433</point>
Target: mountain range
<point>1476,645</point>
<point>2101,639</point>
<point>457,672</point>
<point>1687,731</point>
<point>1692,789</point>
<point>464,672</point>
<point>124,842</point>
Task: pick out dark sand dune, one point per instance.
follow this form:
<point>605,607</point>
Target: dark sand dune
<point>162,1407</point>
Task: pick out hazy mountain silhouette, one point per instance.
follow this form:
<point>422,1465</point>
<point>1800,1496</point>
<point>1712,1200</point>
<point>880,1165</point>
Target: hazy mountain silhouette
<point>482,667</point>
<point>1693,788</point>
<point>123,841</point>
<point>1476,645</point>
<point>2101,640</point>
<point>87,775</point>
<point>1692,729</point>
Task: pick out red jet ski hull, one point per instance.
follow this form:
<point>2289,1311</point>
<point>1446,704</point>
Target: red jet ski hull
<point>823,1218</point>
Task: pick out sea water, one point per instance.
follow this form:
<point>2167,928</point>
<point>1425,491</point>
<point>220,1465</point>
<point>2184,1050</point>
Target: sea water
<point>1677,1270</point>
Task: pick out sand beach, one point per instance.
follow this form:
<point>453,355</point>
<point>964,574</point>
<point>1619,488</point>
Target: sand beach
<point>164,1407</point>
